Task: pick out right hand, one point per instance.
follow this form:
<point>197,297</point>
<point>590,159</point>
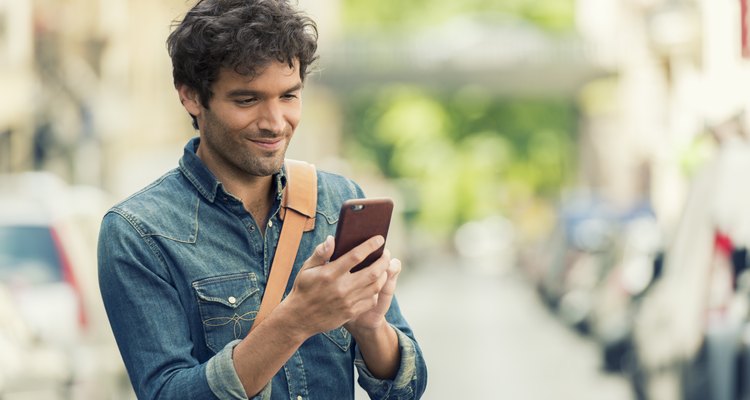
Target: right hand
<point>327,295</point>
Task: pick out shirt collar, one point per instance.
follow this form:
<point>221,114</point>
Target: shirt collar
<point>204,180</point>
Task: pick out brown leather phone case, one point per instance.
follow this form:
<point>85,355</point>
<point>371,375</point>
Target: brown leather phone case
<point>359,220</point>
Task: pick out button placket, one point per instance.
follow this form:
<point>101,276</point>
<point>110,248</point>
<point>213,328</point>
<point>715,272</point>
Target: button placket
<point>295,372</point>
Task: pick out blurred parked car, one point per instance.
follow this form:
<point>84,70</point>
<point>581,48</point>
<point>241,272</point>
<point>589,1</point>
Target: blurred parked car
<point>26,363</point>
<point>638,262</point>
<point>579,246</point>
<point>690,333</point>
<point>48,272</point>
<point>600,256</point>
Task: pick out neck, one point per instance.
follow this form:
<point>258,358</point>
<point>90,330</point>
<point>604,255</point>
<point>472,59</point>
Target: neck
<point>256,197</point>
<point>255,194</point>
<point>253,191</point>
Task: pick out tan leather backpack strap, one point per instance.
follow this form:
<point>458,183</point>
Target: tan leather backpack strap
<point>301,194</point>
<point>298,206</point>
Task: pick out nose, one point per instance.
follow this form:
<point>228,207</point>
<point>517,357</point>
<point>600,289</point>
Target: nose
<point>272,117</point>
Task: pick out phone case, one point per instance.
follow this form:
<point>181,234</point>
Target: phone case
<point>359,220</point>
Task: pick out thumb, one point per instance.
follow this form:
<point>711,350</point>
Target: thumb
<point>322,253</point>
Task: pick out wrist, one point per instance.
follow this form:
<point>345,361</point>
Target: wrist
<point>366,332</point>
<point>380,351</point>
<point>290,321</point>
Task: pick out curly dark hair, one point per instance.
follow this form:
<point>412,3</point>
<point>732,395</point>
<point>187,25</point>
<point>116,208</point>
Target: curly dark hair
<point>245,35</point>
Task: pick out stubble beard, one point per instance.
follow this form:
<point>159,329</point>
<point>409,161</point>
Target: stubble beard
<point>235,155</point>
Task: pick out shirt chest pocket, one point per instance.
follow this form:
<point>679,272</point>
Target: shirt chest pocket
<point>228,305</point>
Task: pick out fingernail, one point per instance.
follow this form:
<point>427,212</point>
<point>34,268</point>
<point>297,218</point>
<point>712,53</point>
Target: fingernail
<point>380,240</point>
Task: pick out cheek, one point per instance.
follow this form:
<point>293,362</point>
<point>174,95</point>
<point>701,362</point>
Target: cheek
<point>219,118</point>
<point>293,116</point>
<point>235,120</point>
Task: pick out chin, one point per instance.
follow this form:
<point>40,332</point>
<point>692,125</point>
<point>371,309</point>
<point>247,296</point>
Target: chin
<point>266,166</point>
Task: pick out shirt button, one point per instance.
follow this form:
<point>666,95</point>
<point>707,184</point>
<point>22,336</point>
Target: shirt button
<point>232,300</point>
<point>270,224</point>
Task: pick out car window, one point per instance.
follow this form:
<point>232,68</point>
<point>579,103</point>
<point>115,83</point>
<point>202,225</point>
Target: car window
<point>28,255</point>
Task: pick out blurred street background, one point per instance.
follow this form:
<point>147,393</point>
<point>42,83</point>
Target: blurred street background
<point>567,175</point>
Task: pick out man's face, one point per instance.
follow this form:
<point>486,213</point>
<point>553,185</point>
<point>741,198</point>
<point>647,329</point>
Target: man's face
<point>250,122</point>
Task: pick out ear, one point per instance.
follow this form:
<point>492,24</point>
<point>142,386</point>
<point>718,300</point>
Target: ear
<point>190,100</point>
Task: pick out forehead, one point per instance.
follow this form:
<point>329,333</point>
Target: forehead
<point>268,76</point>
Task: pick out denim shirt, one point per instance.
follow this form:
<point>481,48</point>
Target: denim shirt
<point>182,271</point>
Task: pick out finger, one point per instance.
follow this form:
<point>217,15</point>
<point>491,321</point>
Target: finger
<point>370,292</point>
<point>374,283</point>
<point>365,304</point>
<point>321,255</point>
<point>367,282</point>
<point>373,272</point>
<point>394,269</point>
<point>373,280</point>
<point>358,254</point>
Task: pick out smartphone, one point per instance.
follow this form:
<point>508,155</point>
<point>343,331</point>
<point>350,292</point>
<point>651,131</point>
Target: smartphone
<point>359,220</point>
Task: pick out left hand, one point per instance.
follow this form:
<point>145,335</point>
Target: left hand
<point>374,318</point>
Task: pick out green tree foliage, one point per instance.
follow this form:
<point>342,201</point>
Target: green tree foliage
<point>405,15</point>
<point>462,155</point>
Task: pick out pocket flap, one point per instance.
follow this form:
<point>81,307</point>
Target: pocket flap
<point>229,290</point>
<point>341,337</point>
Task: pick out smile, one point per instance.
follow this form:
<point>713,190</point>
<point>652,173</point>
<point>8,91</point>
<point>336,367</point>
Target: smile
<point>274,144</point>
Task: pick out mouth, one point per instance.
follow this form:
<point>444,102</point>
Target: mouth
<point>268,144</point>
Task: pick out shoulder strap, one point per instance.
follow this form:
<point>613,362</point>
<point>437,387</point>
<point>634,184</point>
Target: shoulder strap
<point>298,212</point>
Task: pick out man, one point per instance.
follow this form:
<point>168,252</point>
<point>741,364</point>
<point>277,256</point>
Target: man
<point>183,263</point>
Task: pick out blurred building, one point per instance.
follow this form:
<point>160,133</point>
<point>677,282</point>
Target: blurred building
<point>16,81</point>
<point>88,90</point>
<point>80,80</point>
<point>88,94</point>
<point>677,69</point>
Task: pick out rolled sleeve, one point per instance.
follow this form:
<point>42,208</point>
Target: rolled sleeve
<point>402,386</point>
<point>223,379</point>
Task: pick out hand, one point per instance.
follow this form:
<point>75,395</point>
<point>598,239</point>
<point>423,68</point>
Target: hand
<point>327,295</point>
<point>374,318</point>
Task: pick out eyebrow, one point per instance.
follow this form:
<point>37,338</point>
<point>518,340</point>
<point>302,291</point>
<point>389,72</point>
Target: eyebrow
<point>250,92</point>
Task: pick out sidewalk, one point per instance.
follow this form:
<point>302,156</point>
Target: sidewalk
<point>490,337</point>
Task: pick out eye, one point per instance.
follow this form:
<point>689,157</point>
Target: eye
<point>290,96</point>
<point>246,101</point>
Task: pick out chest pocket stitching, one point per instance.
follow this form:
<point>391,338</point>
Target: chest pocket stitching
<point>236,319</point>
<point>214,305</point>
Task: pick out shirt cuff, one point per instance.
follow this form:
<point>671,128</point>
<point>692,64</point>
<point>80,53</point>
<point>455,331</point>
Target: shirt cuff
<point>406,372</point>
<point>223,379</point>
